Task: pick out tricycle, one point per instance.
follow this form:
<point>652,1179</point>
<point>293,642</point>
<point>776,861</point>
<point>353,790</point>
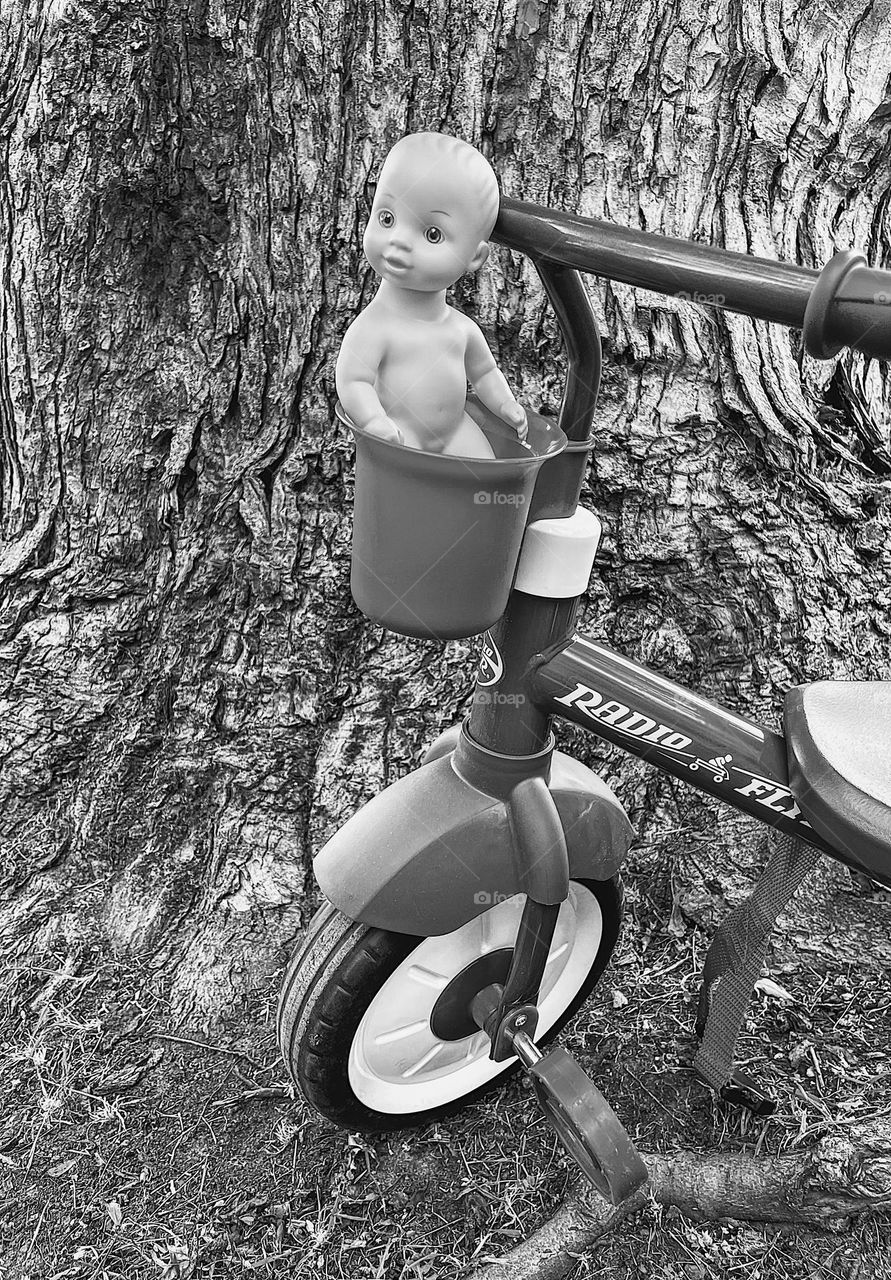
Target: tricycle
<point>473,905</point>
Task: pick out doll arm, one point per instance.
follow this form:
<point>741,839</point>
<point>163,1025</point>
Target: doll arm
<point>489,382</point>
<point>357,365</point>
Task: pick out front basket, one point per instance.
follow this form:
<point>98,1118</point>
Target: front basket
<point>436,538</point>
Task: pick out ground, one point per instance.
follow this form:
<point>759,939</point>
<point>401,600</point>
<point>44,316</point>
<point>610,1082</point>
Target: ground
<point>129,1148</point>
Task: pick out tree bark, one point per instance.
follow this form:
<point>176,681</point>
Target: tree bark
<point>842,1177</point>
<point>190,701</point>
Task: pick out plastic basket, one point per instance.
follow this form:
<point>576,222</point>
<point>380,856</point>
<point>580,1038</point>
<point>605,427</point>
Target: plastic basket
<point>436,538</point>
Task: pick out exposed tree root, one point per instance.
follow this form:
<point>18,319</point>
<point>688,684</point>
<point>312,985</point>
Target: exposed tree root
<point>843,1176</point>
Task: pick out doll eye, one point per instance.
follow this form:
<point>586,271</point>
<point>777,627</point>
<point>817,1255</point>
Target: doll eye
<point>434,235</point>
<point>385,218</point>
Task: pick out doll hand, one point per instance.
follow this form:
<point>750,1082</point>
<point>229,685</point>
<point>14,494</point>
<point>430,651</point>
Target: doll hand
<point>515,414</point>
<point>385,428</point>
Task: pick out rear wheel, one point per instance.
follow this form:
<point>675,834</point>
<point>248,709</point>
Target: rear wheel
<point>360,1017</point>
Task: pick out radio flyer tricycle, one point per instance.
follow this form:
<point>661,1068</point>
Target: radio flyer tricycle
<point>473,904</point>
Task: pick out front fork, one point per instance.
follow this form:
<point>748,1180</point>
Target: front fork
<point>506,1012</point>
<point>506,725</point>
<point>505,719</point>
<point>577,1111</point>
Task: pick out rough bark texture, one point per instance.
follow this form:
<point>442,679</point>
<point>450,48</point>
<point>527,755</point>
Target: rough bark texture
<point>845,1175</point>
<point>190,701</point>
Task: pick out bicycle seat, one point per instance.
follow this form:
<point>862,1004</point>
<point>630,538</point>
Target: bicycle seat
<point>838,739</point>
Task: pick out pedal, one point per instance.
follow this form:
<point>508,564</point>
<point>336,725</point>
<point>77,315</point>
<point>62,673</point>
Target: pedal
<point>583,1120</point>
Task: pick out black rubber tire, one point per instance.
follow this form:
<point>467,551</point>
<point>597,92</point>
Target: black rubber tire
<point>331,981</point>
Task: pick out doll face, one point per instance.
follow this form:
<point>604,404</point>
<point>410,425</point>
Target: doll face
<point>424,231</point>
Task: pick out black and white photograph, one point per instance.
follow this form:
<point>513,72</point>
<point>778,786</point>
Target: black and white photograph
<point>445,640</point>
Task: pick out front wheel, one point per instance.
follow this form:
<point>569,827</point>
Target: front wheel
<point>359,1015</point>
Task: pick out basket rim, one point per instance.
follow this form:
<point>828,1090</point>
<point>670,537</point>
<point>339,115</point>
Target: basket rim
<point>559,443</point>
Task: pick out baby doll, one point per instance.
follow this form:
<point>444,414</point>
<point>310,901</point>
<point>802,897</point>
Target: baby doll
<point>405,361</point>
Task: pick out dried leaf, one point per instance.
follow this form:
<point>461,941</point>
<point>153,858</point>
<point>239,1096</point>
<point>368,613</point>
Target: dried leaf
<point>677,925</point>
<point>768,987</point>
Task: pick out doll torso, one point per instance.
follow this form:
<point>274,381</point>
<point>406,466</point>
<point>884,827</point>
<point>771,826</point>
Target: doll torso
<point>422,381</point>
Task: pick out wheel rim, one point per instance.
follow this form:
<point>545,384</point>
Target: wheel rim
<point>396,1063</point>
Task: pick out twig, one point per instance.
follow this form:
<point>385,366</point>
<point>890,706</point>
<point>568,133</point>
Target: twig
<point>202,1044</point>
<point>272,1257</point>
<point>36,1231</point>
<point>272,1092</point>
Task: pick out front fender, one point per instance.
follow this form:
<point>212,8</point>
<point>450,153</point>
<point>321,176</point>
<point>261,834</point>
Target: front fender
<point>432,851</point>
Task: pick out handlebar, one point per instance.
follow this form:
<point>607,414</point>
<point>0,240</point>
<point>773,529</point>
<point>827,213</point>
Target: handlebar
<point>847,304</point>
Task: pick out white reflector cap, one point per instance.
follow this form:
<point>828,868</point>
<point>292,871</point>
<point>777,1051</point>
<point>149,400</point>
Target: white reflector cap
<point>557,555</point>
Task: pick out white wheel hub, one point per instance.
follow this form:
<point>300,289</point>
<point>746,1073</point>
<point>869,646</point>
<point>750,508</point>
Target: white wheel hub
<point>397,1065</point>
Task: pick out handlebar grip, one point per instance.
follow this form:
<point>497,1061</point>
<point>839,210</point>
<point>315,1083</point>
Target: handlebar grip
<point>850,306</point>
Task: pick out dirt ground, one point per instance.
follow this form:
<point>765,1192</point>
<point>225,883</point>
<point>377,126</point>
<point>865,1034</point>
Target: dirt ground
<point>129,1148</point>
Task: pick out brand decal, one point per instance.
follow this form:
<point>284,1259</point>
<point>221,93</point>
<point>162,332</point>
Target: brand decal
<point>767,792</point>
<point>491,667</point>
<point>716,766</point>
<point>772,795</point>
<point>618,716</point>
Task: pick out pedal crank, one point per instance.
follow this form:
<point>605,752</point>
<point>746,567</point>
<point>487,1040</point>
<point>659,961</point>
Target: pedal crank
<point>589,1129</point>
<point>583,1120</point>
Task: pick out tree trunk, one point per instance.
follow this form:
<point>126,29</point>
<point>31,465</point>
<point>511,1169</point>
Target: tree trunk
<point>190,700</point>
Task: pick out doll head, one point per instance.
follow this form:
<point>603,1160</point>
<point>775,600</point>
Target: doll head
<point>434,209</point>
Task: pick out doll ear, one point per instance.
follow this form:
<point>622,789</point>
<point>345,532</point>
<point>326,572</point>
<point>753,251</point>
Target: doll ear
<point>482,253</point>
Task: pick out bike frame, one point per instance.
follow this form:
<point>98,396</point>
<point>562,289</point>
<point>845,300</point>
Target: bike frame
<point>739,761</point>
